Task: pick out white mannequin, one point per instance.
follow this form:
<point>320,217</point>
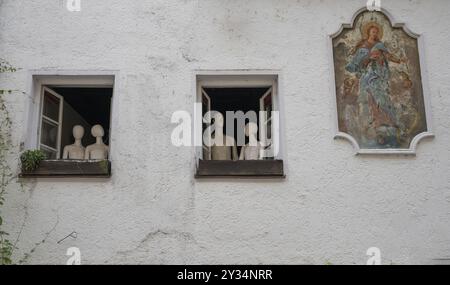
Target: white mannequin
<point>251,151</point>
<point>98,150</point>
<point>226,150</point>
<point>75,150</point>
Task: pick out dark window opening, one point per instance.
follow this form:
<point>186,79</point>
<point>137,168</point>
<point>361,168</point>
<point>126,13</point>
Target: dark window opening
<point>236,99</point>
<point>80,106</point>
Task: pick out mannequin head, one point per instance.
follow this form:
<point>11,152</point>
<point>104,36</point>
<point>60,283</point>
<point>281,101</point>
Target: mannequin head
<point>251,131</point>
<point>98,150</point>
<point>251,128</point>
<point>218,120</point>
<point>78,132</point>
<point>97,131</point>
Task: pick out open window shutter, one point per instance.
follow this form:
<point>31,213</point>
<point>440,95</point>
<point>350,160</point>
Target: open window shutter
<point>206,107</point>
<point>51,123</point>
<point>265,120</point>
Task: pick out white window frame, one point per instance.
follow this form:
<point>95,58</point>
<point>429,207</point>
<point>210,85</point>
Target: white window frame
<point>58,123</point>
<point>264,121</point>
<point>71,78</point>
<point>204,94</point>
<point>242,79</point>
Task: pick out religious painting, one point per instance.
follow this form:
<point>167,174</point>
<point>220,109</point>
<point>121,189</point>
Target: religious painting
<point>379,88</point>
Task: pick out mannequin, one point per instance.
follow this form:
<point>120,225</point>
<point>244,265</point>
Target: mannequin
<point>251,151</point>
<point>226,150</point>
<point>75,150</point>
<point>98,150</point>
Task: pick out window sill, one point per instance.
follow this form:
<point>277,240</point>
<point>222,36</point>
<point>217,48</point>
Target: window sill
<point>71,168</point>
<point>240,168</point>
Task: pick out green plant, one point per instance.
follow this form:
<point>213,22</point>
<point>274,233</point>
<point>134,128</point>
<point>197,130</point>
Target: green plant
<point>6,174</point>
<point>31,159</point>
<point>6,249</point>
<point>6,66</point>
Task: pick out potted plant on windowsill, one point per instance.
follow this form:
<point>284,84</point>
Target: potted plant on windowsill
<point>31,159</point>
<point>35,164</point>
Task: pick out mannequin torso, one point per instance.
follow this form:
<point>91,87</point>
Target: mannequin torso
<point>98,150</point>
<point>73,151</point>
<point>76,150</point>
<point>226,151</point>
<point>223,146</point>
<point>250,152</point>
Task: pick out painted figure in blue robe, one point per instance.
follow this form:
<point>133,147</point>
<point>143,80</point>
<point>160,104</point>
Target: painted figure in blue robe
<point>370,63</point>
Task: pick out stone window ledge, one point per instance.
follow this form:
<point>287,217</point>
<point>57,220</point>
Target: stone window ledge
<point>240,169</point>
<point>71,168</point>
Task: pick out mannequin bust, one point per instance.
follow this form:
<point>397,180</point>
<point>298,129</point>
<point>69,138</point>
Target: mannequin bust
<point>75,150</point>
<point>251,151</point>
<point>97,150</point>
<point>225,146</point>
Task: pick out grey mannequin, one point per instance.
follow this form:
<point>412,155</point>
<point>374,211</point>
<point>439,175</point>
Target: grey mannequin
<point>226,150</point>
<point>75,150</point>
<point>97,150</point>
<point>251,151</point>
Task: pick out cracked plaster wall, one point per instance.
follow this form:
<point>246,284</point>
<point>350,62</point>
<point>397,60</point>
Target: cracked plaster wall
<point>331,207</point>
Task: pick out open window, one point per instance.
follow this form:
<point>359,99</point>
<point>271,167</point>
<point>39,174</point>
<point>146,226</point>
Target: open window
<point>265,122</point>
<point>254,97</point>
<point>206,107</point>
<point>51,123</point>
<point>73,127</point>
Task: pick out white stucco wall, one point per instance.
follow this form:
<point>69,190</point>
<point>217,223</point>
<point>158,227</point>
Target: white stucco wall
<point>331,207</point>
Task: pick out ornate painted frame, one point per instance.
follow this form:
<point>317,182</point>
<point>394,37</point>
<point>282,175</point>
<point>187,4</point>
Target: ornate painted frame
<point>425,90</point>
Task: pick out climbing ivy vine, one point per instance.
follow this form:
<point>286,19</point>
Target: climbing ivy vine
<point>6,173</point>
<point>8,152</point>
